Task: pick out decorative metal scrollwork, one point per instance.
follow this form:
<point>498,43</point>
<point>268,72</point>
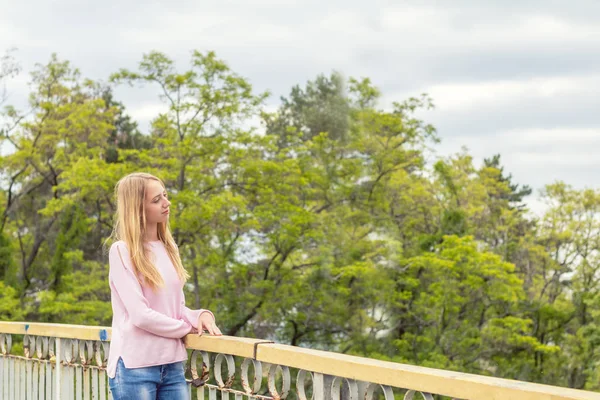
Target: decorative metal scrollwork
<point>411,393</point>
<point>71,347</point>
<point>86,351</point>
<point>92,355</point>
<point>199,380</point>
<point>28,346</point>
<point>336,388</point>
<point>230,370</point>
<point>300,384</point>
<point>388,393</point>
<point>5,343</point>
<point>101,353</point>
<point>41,347</point>
<point>286,382</point>
<point>257,381</point>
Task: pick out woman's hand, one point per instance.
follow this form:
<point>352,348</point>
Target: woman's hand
<point>206,321</point>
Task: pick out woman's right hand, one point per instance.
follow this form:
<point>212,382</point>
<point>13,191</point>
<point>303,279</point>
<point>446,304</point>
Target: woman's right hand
<point>206,321</point>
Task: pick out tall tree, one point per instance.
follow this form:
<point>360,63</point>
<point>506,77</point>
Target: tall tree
<point>69,123</point>
<point>321,107</point>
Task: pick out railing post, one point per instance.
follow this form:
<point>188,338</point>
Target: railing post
<point>318,386</point>
<point>58,360</point>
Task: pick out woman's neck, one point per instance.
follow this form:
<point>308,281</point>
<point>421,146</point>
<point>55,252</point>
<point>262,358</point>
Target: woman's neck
<point>151,233</point>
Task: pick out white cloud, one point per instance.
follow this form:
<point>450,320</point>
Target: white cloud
<point>447,28</point>
<point>536,206</point>
<point>565,143</point>
<point>144,113</point>
<point>538,157</point>
<point>464,97</point>
<point>557,159</point>
<point>518,79</point>
<point>589,138</point>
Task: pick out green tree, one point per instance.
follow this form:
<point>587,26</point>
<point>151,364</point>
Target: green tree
<point>329,229</point>
<point>69,123</point>
<point>321,107</point>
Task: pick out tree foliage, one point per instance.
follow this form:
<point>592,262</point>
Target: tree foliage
<point>324,227</point>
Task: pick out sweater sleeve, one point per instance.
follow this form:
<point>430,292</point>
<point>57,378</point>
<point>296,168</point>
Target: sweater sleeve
<point>191,316</point>
<point>126,286</point>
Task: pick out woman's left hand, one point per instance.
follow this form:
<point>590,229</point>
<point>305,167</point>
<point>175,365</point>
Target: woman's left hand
<point>206,321</point>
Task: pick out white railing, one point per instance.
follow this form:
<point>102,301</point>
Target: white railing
<point>69,362</point>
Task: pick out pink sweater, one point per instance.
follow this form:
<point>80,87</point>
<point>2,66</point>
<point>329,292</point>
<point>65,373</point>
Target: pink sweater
<point>147,326</point>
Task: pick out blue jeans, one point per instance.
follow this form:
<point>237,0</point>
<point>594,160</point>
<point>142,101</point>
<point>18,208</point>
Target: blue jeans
<point>157,383</point>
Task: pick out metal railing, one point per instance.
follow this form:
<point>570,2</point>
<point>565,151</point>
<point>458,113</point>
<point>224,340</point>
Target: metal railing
<point>59,361</point>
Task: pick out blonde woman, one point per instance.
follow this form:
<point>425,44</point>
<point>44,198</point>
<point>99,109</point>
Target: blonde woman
<point>146,277</point>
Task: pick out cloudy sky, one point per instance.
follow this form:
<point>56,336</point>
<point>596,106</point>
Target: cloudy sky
<point>519,78</point>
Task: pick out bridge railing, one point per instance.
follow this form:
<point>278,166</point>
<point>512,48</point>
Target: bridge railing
<point>56,361</point>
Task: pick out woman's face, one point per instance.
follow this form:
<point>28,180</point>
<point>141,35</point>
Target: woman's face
<point>157,204</point>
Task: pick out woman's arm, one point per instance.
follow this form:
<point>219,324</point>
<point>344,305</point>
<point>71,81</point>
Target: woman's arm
<point>191,316</point>
<point>125,284</point>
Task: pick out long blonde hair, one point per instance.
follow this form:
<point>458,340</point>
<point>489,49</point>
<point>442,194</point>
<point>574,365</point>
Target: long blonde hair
<point>130,227</point>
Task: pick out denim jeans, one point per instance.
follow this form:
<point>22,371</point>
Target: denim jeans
<point>159,382</point>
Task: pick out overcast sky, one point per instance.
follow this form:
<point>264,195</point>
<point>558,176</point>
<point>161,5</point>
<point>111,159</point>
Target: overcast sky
<point>519,78</point>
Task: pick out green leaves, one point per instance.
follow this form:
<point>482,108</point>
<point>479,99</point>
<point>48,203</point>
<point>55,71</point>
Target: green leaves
<point>10,307</point>
<point>329,228</point>
<point>462,294</point>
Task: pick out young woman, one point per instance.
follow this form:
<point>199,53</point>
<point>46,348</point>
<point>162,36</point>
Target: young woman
<point>146,277</point>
